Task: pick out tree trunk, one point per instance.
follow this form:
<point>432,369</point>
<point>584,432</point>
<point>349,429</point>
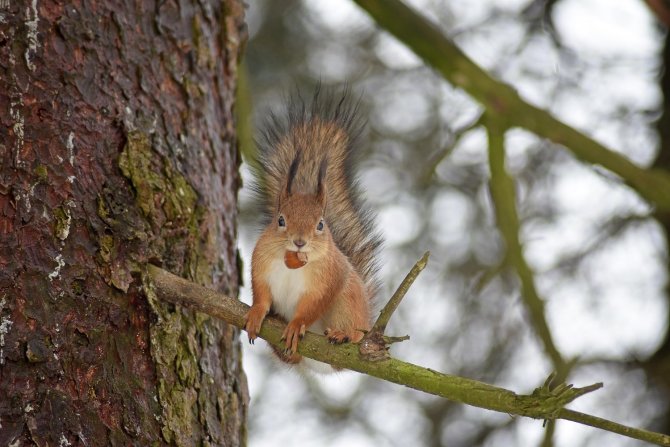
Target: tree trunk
<point>658,365</point>
<point>117,148</point>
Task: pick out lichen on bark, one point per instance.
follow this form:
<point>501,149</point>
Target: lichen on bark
<point>169,204</point>
<point>118,151</point>
<point>154,188</point>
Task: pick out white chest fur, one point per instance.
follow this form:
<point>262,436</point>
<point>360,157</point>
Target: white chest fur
<point>287,286</point>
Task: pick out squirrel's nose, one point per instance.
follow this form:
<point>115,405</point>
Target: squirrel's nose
<point>299,243</point>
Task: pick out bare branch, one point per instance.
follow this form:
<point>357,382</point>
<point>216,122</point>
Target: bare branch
<point>160,284</point>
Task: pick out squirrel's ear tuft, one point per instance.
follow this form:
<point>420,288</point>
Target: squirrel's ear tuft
<point>321,184</point>
<point>292,171</point>
<point>286,190</point>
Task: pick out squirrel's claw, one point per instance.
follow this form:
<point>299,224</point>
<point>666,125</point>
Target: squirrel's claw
<point>336,337</point>
<point>254,318</point>
<point>294,331</point>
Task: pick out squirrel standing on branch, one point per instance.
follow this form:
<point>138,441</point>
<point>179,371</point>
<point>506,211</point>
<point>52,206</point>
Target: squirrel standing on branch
<point>314,264</point>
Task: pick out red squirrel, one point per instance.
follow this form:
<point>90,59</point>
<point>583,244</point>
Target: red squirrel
<point>314,263</point>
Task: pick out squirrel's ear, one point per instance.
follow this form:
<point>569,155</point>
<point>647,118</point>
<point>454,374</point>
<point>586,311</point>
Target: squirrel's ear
<point>321,185</point>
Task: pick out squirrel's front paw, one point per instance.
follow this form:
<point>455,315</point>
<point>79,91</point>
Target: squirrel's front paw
<point>294,331</point>
<point>254,318</point>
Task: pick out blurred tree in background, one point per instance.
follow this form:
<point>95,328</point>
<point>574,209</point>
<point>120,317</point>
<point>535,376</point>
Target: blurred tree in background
<point>597,250</point>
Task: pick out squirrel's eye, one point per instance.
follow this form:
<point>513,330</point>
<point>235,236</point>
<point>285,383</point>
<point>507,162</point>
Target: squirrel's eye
<point>319,227</point>
<point>282,222</point>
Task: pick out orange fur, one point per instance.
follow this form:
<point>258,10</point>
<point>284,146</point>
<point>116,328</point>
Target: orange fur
<point>335,294</point>
<point>312,207</point>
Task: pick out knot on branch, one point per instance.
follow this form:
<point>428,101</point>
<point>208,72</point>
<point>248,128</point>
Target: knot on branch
<point>546,401</point>
<point>375,345</point>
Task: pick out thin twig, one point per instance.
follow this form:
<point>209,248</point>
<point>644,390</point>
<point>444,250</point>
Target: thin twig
<point>443,153</point>
<point>166,286</point>
<point>390,307</point>
<point>614,427</point>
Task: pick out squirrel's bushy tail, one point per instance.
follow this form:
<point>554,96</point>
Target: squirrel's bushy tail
<point>325,127</point>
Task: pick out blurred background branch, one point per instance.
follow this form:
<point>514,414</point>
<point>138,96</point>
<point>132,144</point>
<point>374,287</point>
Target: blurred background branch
<point>428,42</point>
<point>504,202</point>
<point>597,251</point>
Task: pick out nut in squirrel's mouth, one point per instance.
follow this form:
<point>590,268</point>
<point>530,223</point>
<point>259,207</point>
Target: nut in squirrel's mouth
<point>295,259</point>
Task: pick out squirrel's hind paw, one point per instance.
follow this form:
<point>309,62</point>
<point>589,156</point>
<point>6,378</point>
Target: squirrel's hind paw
<point>336,337</point>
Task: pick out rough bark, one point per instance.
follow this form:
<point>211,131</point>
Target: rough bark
<point>117,148</point>
<point>658,365</point>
